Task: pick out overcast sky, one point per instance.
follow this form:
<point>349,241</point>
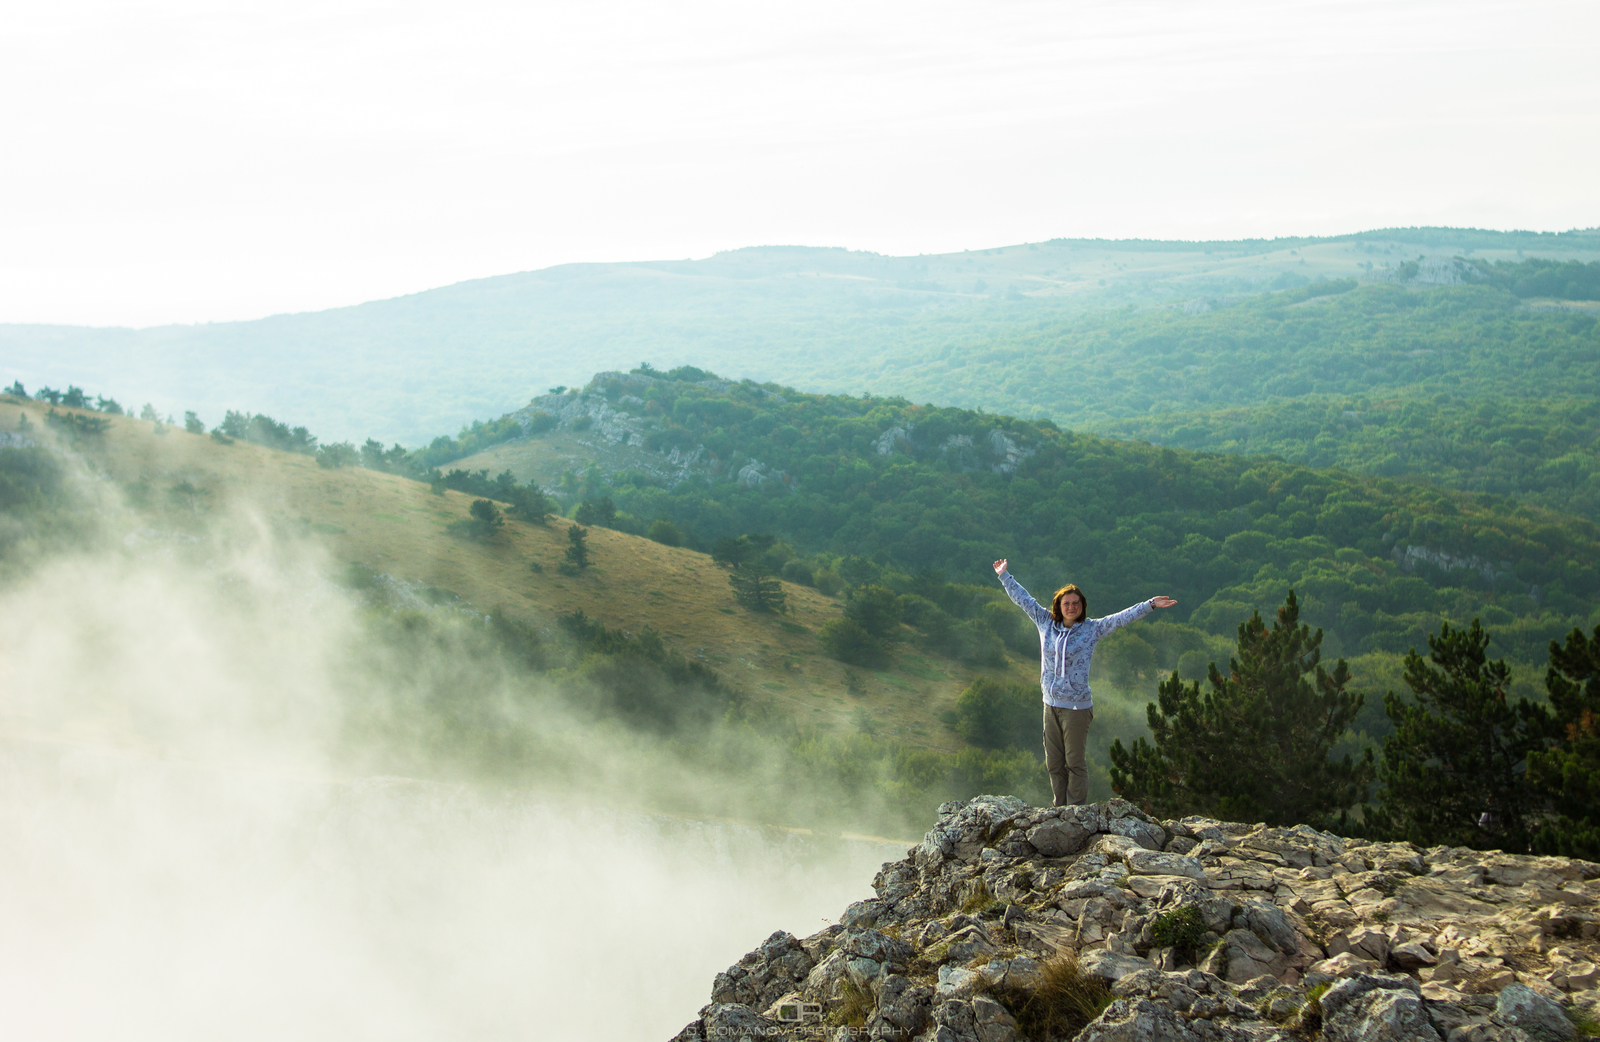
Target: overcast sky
<point>178,161</point>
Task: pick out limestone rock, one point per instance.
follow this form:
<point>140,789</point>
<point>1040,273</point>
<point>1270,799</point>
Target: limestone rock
<point>1058,837</point>
<point>1519,1006</point>
<point>1345,964</point>
<point>1376,1007</point>
<point>1489,947</point>
<point>734,1020</point>
<point>1137,1020</point>
<point>1142,831</point>
<point>1249,958</point>
<point>1156,863</point>
<point>1102,962</point>
<point>904,1008</point>
<point>991,1021</point>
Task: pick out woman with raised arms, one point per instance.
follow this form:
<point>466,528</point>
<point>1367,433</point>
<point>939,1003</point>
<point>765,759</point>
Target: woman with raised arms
<point>1066,642</point>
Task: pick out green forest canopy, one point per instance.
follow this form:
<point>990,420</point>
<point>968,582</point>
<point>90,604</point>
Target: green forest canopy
<point>1376,562</point>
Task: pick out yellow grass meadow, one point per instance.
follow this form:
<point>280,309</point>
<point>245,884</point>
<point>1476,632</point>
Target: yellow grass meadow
<point>398,526</point>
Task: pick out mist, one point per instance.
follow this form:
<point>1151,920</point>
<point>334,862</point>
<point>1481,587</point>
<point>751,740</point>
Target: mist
<point>194,847</point>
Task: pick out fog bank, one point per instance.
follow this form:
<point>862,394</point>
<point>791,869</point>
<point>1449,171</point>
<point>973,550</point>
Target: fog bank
<point>184,856</point>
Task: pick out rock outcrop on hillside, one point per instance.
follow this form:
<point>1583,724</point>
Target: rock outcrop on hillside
<point>1201,930</point>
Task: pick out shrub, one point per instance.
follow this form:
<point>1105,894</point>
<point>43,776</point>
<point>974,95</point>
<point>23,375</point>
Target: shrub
<point>828,582</point>
<point>665,532</point>
<point>1182,930</point>
<point>847,641</point>
<point>485,520</point>
<point>995,715</point>
<point>339,454</point>
<point>976,644</point>
<point>798,572</point>
<point>1014,629</point>
<point>875,609</point>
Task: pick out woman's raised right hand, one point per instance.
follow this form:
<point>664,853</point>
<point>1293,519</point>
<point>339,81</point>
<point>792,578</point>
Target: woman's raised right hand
<point>1000,567</point>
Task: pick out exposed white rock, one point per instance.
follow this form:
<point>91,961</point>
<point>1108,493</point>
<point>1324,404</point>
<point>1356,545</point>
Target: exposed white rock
<point>1417,944</point>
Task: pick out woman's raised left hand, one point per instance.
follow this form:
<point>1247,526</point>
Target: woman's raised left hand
<point>1163,602</point>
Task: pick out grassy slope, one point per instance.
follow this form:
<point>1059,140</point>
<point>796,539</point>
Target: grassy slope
<point>397,526</point>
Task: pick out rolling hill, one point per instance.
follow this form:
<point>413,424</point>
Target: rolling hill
<point>829,319</point>
<point>393,530</point>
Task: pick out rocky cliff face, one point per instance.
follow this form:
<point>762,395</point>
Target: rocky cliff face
<point>1010,922</point>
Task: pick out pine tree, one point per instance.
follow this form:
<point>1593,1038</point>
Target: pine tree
<point>486,518</point>
<point>578,553</point>
<point>756,589</point>
<point>1255,747</point>
<point>1568,775</point>
<point>1452,772</point>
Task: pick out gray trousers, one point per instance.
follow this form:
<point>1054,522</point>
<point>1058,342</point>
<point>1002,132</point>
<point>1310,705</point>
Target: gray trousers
<point>1066,733</point>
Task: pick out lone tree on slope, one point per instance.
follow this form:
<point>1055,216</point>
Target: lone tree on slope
<point>578,553</point>
<point>757,589</point>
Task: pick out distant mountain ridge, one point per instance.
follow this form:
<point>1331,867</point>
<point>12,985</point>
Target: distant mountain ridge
<point>406,368</point>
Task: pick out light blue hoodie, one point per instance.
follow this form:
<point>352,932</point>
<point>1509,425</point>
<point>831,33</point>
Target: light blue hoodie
<point>1064,651</point>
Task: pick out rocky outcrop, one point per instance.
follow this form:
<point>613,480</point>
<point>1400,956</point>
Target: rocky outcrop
<point>1200,929</point>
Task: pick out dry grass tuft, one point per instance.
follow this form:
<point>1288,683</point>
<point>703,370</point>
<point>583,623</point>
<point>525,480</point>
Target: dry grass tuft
<point>1065,1000</point>
<point>855,1006</point>
<point>979,899</point>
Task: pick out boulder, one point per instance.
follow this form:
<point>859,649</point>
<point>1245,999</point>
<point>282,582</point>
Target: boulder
<point>1019,972</point>
<point>734,1020</point>
<point>953,1022</point>
<point>956,982</point>
<point>1216,911</point>
<point>1376,1007</point>
<point>1520,1006</point>
<point>862,913</point>
<point>1147,834</point>
<point>991,1021</point>
<point>1137,1020</point>
<point>1058,837</point>
<point>1270,923</point>
<point>1157,863</point>
<point>904,1008</point>
<point>1110,965</point>
<point>1345,964</point>
<point>1249,958</point>
<point>1412,955</point>
<point>875,945</point>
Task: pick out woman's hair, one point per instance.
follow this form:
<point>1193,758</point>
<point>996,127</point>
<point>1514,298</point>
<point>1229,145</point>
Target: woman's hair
<point>1055,602</point>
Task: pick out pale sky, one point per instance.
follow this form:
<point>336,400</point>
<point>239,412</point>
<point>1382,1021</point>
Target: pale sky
<point>185,161</point>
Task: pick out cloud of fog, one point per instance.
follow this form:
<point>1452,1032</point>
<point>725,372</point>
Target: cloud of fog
<point>187,854</point>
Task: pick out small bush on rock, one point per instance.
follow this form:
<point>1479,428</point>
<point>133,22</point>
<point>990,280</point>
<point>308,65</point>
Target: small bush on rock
<point>1182,930</point>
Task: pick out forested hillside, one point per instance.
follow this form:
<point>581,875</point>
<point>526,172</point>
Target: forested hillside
<point>1538,450</point>
<point>1324,339</point>
<point>906,488</point>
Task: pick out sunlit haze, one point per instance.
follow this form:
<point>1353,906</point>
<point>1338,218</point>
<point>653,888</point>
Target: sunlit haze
<point>187,162</point>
